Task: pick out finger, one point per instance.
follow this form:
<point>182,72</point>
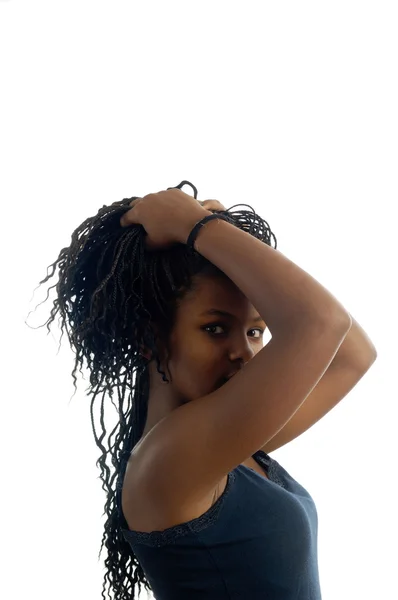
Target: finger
<point>126,218</point>
<point>213,205</point>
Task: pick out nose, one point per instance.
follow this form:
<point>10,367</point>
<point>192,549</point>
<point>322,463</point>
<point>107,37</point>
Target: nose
<point>241,351</point>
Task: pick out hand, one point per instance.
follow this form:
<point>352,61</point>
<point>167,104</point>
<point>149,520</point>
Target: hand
<point>167,216</point>
<point>212,205</point>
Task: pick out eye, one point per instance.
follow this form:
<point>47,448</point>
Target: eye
<point>214,325</point>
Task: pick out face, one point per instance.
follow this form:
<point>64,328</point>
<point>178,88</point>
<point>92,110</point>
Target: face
<point>205,348</point>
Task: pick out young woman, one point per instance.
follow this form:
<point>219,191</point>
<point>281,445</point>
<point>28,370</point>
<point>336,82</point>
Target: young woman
<point>199,509</point>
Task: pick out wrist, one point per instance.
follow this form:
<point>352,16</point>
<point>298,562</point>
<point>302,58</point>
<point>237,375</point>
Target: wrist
<point>190,223</point>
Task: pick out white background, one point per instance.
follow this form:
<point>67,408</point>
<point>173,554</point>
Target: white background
<point>290,107</point>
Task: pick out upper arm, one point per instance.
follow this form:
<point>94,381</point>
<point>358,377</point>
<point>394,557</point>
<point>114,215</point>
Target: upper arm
<point>185,455</point>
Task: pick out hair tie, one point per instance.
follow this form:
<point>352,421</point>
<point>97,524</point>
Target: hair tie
<point>199,225</point>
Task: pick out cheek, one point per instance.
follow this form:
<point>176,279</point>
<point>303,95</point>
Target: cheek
<point>197,379</point>
<point>196,366</point>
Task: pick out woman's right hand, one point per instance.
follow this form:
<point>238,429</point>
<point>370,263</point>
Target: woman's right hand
<point>167,217</point>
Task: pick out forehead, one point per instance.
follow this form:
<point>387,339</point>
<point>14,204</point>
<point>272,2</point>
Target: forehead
<point>209,288</point>
<point>218,293</point>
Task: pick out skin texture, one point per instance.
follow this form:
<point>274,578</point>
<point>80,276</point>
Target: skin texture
<point>198,357</point>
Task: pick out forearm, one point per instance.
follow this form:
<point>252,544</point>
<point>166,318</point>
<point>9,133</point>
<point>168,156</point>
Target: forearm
<point>284,294</point>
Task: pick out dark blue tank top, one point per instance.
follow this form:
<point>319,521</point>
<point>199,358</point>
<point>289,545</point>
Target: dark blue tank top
<point>257,542</point>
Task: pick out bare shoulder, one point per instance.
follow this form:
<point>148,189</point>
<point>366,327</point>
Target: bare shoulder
<point>144,513</point>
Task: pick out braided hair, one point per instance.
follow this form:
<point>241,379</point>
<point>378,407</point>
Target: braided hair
<point>110,289</point>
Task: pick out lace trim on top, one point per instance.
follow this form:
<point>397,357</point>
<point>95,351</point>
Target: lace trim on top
<point>271,466</point>
<point>169,535</point>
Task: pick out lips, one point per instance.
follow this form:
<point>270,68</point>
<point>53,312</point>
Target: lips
<point>224,380</point>
<point>220,383</point>
<point>231,375</point>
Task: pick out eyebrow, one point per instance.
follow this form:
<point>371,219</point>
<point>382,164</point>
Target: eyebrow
<point>223,313</point>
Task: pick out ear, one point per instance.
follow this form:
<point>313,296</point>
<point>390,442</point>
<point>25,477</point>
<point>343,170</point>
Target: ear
<point>145,352</point>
